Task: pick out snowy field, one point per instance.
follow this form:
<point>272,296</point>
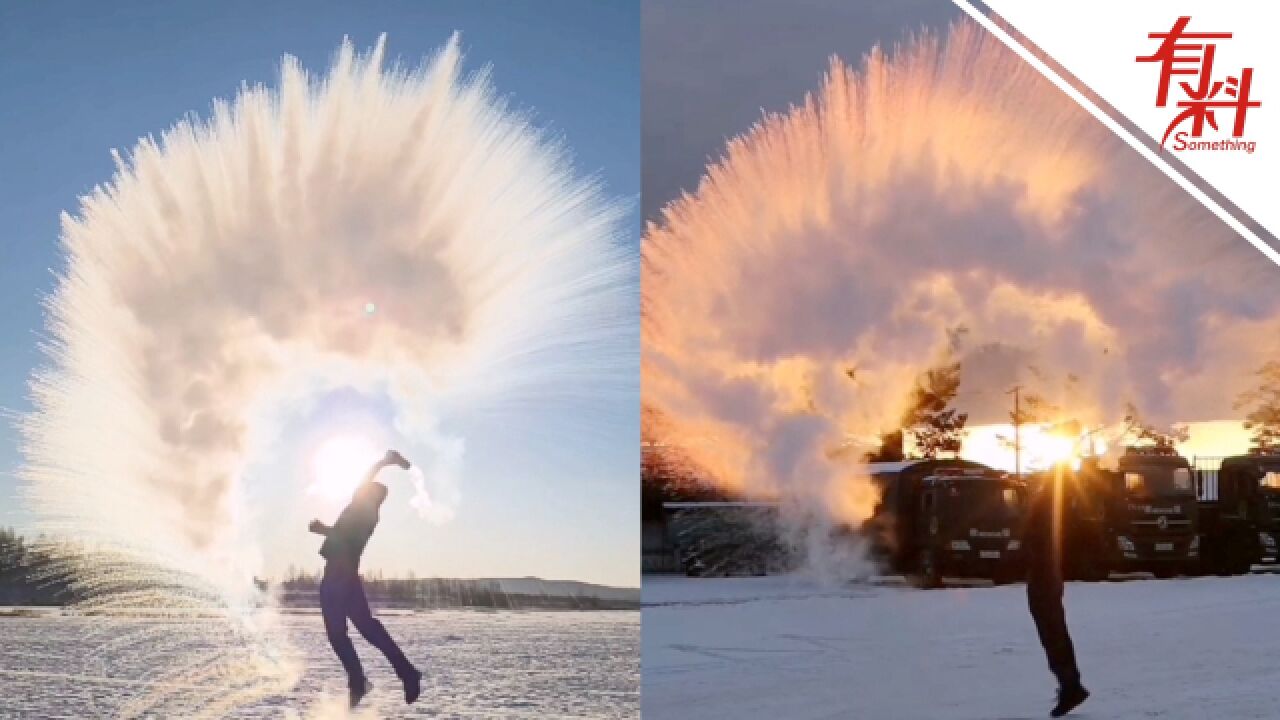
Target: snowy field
<point>478,665</point>
<point>780,647</point>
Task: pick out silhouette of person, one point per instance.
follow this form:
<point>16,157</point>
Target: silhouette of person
<point>342,594</point>
<point>1041,543</point>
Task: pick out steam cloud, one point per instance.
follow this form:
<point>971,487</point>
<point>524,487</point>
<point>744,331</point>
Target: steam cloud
<point>822,263</point>
<point>399,231</point>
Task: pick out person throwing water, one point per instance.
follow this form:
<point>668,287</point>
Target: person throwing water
<point>342,593</point>
<point>1042,543</point>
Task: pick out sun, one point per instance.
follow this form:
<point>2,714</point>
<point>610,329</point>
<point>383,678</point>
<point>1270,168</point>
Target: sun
<point>1040,447</point>
<point>1044,450</point>
<point>339,464</point>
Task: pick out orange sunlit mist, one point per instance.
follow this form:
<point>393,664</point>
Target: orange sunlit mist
<point>943,202</point>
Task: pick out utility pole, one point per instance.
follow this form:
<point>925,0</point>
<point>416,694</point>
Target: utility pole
<point>1017,429</point>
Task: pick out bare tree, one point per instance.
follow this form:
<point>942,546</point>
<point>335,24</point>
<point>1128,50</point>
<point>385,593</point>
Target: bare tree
<point>1263,404</point>
<point>1141,430</point>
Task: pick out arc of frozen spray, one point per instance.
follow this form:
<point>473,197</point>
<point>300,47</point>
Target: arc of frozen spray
<point>500,279</point>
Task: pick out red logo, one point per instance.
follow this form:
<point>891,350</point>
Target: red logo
<point>1190,54</point>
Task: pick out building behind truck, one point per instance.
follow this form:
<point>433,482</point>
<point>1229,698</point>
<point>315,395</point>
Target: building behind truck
<point>723,539</point>
<point>947,518</point>
<point>1239,499</point>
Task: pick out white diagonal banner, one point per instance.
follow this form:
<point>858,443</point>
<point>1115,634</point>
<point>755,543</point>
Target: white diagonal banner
<point>1219,67</point>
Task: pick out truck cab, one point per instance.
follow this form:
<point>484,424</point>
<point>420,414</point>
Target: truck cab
<point>1246,499</point>
<point>971,522</point>
<point>1153,513</point>
<point>948,518</point>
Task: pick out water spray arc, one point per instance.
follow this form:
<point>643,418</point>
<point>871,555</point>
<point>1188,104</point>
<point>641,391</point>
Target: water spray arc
<point>943,185</point>
<point>388,229</point>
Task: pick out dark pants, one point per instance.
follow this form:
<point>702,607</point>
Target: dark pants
<point>1044,596</point>
<point>342,597</point>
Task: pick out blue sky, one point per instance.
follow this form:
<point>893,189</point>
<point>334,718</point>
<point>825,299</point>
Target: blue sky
<point>80,78</point>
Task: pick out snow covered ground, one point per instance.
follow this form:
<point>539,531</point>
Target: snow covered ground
<point>478,665</point>
<point>782,647</point>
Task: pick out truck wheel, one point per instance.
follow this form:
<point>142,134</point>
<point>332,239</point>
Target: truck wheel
<point>1004,577</point>
<point>1164,573</point>
<point>930,578</point>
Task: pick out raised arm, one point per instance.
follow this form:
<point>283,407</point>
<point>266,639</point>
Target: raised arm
<point>391,458</point>
<point>319,528</point>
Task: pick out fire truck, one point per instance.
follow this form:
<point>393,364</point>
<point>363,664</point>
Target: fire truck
<point>947,518</point>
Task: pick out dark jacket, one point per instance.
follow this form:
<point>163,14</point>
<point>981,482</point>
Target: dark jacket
<point>347,538</point>
<point>1042,553</point>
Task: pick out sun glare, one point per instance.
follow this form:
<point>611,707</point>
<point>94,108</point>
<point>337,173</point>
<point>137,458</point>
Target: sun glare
<point>339,464</point>
<point>1040,448</point>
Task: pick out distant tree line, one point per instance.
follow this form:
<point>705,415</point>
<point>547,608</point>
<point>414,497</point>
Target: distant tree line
<point>31,575</point>
<point>302,590</point>
<point>27,574</point>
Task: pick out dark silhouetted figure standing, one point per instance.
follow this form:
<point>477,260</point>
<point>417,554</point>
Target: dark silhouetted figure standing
<point>1045,589</point>
<point>342,593</point>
